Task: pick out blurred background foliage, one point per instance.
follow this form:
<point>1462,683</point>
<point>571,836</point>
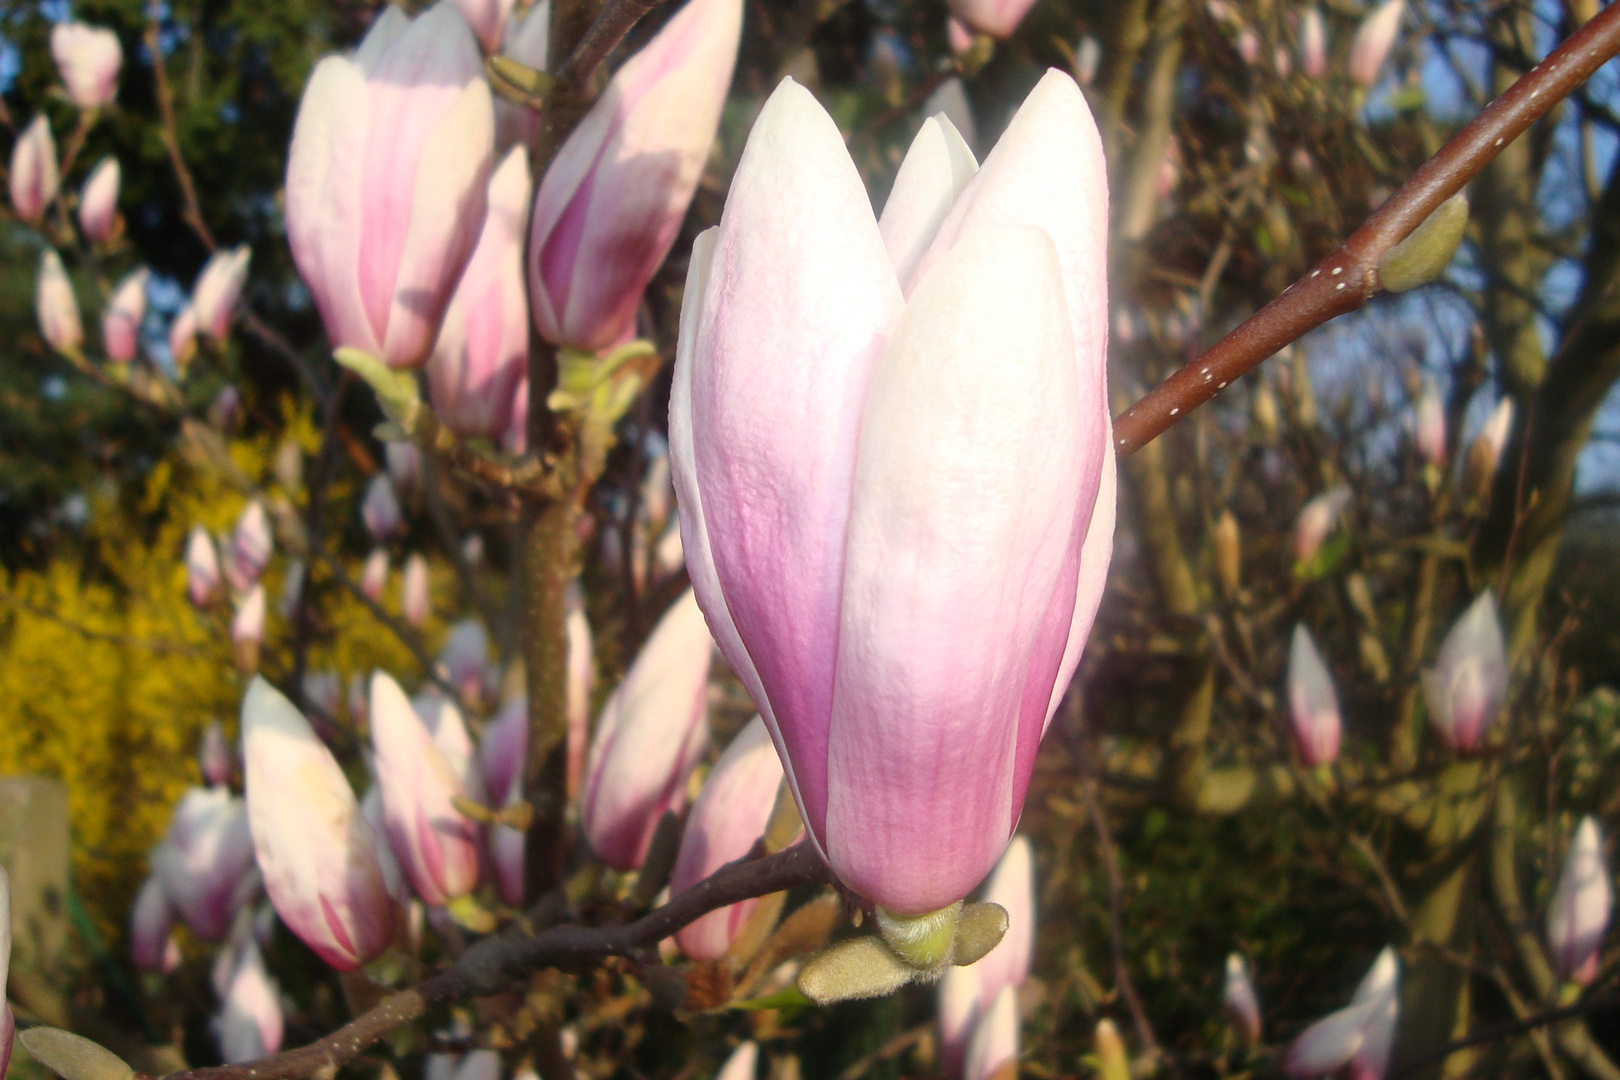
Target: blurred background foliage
<point>1231,176</point>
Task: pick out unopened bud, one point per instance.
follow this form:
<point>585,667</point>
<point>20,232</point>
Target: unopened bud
<point>861,968</point>
<point>1426,252</point>
<point>1228,553</point>
<point>1112,1064</point>
<point>923,941</point>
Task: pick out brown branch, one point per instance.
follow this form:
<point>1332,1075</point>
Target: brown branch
<point>1590,1003</point>
<point>170,132</point>
<point>498,963</point>
<point>616,20</point>
<point>1348,277</point>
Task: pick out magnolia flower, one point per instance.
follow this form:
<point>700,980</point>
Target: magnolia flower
<point>926,391</point>
<point>612,201</point>
<point>413,591</point>
<point>437,845</point>
<point>380,509</point>
<point>88,59</point>
<point>386,177</point>
<point>968,993</point>
<point>1242,1004</point>
<point>998,18</point>
<point>581,677</point>
<point>1486,452</point>
<point>248,625</point>
<point>214,757</point>
<point>1430,425</point>
<point>1313,706</point>
<point>528,40</point>
<point>1359,1036</point>
<point>742,1064</point>
<point>249,1025</point>
<point>183,338</point>
<point>56,306</point>
<point>1316,520</point>
<point>202,567</point>
<point>1087,57</point>
<point>995,1038</point>
<point>487,19</point>
<point>1580,907</point>
<point>34,176</point>
<point>314,848</point>
<point>374,574</point>
<point>1374,38</point>
<point>651,733</point>
<point>218,288</point>
<point>253,542</point>
<point>323,690</point>
<point>1312,43</point>
<point>730,814</point>
<point>1468,682</point>
<point>98,202</point>
<point>151,921</point>
<point>464,660</point>
<point>204,858</point>
<point>483,345</point>
<point>121,324</point>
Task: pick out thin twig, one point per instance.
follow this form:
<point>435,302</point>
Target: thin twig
<point>616,20</point>
<point>1348,278</point>
<point>1590,1003</point>
<point>497,963</point>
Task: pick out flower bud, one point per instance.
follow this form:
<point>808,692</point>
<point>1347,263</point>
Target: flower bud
<point>1430,426</point>
<point>121,324</point>
<point>404,464</point>
<point>386,181</point>
<point>1579,910</point>
<point>57,307</point>
<point>88,59</point>
<point>98,202</point>
<point>1312,43</point>
<point>581,677</point>
<point>437,845</point>
<point>413,591</point>
<point>729,815</point>
<point>995,1038</point>
<point>215,756</point>
<point>1242,1004</point>
<point>1312,704</point>
<point>314,847</point>
<point>1228,553</point>
<point>219,287</point>
<point>1359,1035</point>
<point>1316,520</point>
<point>1374,38</point>
<point>247,628</point>
<point>742,1064</point>
<point>1485,453</point>
<point>612,201</point>
<point>250,1023</point>
<point>151,921</point>
<point>967,993</point>
<point>203,859</point>
<point>650,735</point>
<point>488,20</point>
<point>483,344</point>
<point>528,40</point>
<point>380,509</point>
<point>202,567</point>
<point>253,542</point>
<point>1468,682</point>
<point>998,18</point>
<point>464,660</point>
<point>34,175</point>
<point>374,574</point>
<point>183,338</point>
<point>226,408</point>
<point>1087,57</point>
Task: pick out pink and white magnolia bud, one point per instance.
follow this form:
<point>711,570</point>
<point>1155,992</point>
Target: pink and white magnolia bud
<point>730,814</point>
<point>1578,913</point>
<point>464,660</point>
<point>98,202</point>
<point>380,509</point>
<point>437,845</point>
<point>414,601</point>
<point>1242,1004</point>
<point>612,201</point>
<point>34,171</point>
<point>226,408</point>
<point>121,324</point>
<point>1373,41</point>
<point>1359,1035</point>
<point>1316,520</point>
<point>202,567</point>
<point>404,464</point>
<point>1312,43</point>
<point>56,306</point>
<point>503,748</point>
<point>1468,682</point>
<point>581,677</point>
<point>483,345</point>
<point>1313,706</point>
<point>250,1023</point>
<point>650,735</point>
<point>214,757</point>
<point>386,177</point>
<point>1430,425</point>
<point>967,993</point>
<point>151,921</point>
<point>218,289</point>
<point>183,338</point>
<point>203,859</point>
<point>247,628</point>
<point>1087,58</point>
<point>995,1038</point>
<point>292,589</point>
<point>1248,45</point>
<point>253,543</point>
<point>314,848</point>
<point>1486,452</point>
<point>957,36</point>
<point>448,730</point>
<point>88,59</point>
<point>829,416</point>
<point>998,18</point>
<point>374,574</point>
<point>488,20</point>
<point>742,1064</point>
<point>528,40</point>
